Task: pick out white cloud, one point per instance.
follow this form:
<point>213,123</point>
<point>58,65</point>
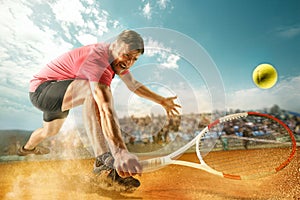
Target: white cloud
<point>163,4</point>
<point>289,32</point>
<point>116,24</point>
<point>285,94</point>
<point>69,11</point>
<point>171,61</point>
<point>29,39</point>
<point>147,11</point>
<point>90,2</point>
<point>166,57</point>
<point>155,8</point>
<point>153,47</point>
<point>86,39</point>
<point>26,46</point>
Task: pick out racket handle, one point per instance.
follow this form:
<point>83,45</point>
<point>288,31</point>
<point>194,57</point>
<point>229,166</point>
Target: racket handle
<point>153,163</point>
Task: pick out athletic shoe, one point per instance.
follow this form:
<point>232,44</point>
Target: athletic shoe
<point>37,151</point>
<point>105,173</point>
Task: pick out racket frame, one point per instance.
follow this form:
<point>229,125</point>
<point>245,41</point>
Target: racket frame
<point>152,163</point>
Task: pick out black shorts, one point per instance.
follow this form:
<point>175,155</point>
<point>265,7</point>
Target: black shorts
<point>48,97</point>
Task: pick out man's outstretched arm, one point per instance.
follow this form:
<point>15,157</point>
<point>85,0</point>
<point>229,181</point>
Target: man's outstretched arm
<point>126,163</point>
<point>141,90</point>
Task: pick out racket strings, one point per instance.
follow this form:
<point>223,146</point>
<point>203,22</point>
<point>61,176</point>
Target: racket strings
<point>254,145</point>
<point>246,162</point>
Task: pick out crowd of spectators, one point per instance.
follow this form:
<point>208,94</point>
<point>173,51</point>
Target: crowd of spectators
<point>160,130</point>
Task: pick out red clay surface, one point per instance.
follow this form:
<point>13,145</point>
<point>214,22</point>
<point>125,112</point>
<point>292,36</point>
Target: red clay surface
<point>66,180</point>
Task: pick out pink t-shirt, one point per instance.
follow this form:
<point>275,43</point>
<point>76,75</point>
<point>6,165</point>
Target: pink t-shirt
<point>89,62</point>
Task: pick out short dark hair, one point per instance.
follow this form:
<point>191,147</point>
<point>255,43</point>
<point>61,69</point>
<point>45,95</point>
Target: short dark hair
<point>133,39</point>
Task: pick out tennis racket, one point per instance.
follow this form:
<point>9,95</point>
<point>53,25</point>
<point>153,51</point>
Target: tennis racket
<point>265,146</point>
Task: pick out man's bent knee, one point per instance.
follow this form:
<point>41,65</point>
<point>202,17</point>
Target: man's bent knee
<point>52,128</point>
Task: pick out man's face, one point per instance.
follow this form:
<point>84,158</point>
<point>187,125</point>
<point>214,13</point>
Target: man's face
<point>123,58</point>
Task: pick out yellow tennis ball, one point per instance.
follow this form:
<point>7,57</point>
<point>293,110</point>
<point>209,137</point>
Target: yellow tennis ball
<point>264,76</point>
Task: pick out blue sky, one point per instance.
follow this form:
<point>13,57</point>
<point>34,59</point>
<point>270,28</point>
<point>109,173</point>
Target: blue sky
<point>234,36</point>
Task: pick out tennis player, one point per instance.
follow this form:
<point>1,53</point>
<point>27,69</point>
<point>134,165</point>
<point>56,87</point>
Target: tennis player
<point>83,77</point>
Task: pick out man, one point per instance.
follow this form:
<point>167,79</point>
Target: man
<point>83,77</point>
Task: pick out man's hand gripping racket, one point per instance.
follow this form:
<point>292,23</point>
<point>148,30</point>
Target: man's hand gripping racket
<point>262,157</point>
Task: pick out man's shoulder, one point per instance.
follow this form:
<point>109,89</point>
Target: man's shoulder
<point>101,47</point>
<point>96,47</point>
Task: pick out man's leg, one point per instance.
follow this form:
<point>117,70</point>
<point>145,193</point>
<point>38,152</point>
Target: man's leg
<point>55,99</point>
<point>49,129</point>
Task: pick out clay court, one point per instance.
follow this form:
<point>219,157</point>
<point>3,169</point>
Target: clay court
<point>71,179</point>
